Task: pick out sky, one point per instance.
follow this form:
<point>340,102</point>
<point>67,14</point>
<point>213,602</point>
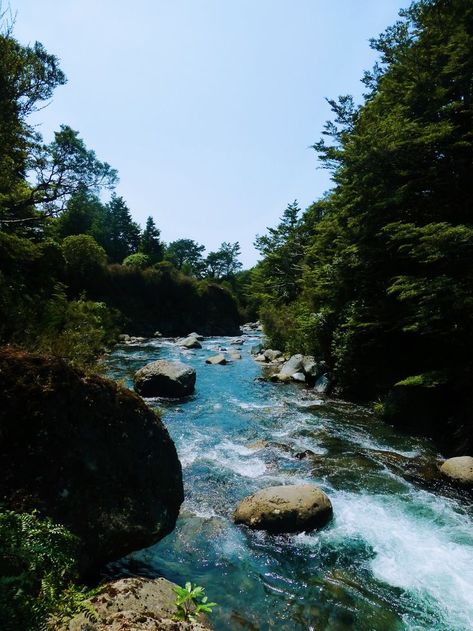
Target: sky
<point>207,108</point>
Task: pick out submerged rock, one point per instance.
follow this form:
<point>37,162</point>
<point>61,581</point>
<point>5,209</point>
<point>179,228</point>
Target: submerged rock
<point>189,342</point>
<point>216,360</point>
<point>459,469</point>
<point>133,604</point>
<point>278,509</point>
<point>87,453</point>
<point>164,378</point>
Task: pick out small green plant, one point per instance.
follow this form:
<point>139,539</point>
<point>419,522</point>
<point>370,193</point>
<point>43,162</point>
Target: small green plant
<point>191,601</point>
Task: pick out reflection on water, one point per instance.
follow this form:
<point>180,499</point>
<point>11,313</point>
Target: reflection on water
<point>398,554</point>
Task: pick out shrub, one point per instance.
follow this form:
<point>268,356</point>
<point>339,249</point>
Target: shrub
<point>139,260</point>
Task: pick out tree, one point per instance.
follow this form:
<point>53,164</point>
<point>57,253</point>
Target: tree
<point>224,262</point>
<point>138,260</point>
<point>84,256</point>
<point>84,214</point>
<point>37,179</point>
<point>186,255</point>
<point>150,243</point>
<point>119,234</point>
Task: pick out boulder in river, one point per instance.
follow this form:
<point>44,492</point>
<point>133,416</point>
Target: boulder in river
<point>198,336</point>
<point>298,376</point>
<point>164,378</point>
<point>260,358</point>
<point>292,508</point>
<point>138,604</point>
<point>256,349</point>
<point>87,453</point>
<point>216,360</point>
<point>459,469</point>
<point>272,355</point>
<point>189,342</point>
<point>293,365</point>
<point>235,355</point>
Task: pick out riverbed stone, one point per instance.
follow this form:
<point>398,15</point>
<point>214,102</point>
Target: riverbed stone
<point>256,349</point>
<point>165,378</point>
<point>198,336</point>
<point>216,360</point>
<point>260,358</point>
<point>292,508</point>
<point>459,469</point>
<point>133,604</point>
<point>235,355</point>
<point>298,376</point>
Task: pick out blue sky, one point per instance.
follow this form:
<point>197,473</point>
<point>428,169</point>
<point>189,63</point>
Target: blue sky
<point>207,108</point>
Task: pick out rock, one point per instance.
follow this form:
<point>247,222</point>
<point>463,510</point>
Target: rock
<point>256,349</point>
<point>323,384</point>
<point>88,454</point>
<point>164,378</point>
<point>281,377</point>
<point>293,508</point>
<point>189,342</point>
<point>136,340</point>
<point>311,368</point>
<point>272,355</point>
<point>216,360</point>
<point>133,604</point>
<point>292,366</point>
<point>298,376</point>
<point>237,342</point>
<point>260,358</point>
<point>258,444</point>
<point>198,337</point>
<point>157,334</point>
<point>124,337</point>
<point>459,468</point>
<point>235,355</point>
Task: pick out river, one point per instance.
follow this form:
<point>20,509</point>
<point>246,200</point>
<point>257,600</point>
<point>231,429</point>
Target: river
<point>398,554</point>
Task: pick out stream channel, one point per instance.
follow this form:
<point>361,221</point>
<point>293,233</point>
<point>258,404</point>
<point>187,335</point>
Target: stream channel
<point>398,554</point>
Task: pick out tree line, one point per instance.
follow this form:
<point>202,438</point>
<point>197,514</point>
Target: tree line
<point>377,276</point>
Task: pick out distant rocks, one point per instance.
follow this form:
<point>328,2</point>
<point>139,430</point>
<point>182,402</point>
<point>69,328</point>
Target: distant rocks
<point>138,604</point>
<point>279,509</point>
<point>252,326</point>
<point>297,368</point>
<point>164,378</point>
<point>459,469</point>
<point>219,359</point>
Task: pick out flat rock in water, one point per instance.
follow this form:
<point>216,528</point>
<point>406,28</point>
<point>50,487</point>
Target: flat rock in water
<point>292,508</point>
<point>459,469</point>
<point>133,604</point>
<point>216,360</point>
<point>235,355</point>
<point>164,378</point>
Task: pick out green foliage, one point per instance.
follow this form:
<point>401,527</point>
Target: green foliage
<point>150,243</point>
<point>76,330</point>
<point>38,567</point>
<point>224,262</point>
<point>191,601</point>
<point>83,256</point>
<point>138,260</point>
<point>377,277</point>
<point>186,255</point>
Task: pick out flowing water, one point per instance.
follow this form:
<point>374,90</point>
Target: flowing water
<point>398,554</point>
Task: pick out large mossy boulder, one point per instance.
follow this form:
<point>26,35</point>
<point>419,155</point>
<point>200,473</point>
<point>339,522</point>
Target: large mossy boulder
<point>134,604</point>
<point>165,378</point>
<point>87,453</point>
<point>279,509</point>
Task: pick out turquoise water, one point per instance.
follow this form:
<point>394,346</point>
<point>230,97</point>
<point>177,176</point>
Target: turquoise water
<point>398,554</point>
